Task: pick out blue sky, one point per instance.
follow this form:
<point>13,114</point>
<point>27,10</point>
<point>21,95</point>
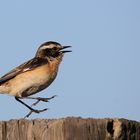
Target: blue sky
<point>100,78</point>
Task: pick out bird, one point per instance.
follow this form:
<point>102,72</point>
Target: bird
<point>34,75</point>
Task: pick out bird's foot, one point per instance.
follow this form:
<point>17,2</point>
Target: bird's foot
<point>35,111</point>
<point>42,99</point>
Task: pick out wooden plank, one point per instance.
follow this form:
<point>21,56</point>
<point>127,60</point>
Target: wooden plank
<point>70,128</point>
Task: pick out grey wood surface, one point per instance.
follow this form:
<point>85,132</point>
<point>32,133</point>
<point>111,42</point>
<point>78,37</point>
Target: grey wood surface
<point>70,128</point>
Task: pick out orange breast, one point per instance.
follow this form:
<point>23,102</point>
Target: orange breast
<point>33,81</point>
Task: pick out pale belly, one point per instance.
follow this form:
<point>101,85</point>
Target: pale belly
<point>30,82</point>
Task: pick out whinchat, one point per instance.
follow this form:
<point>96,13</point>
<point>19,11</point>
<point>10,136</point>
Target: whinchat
<point>34,75</point>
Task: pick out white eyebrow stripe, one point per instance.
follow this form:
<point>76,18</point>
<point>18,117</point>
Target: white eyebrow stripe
<point>45,47</point>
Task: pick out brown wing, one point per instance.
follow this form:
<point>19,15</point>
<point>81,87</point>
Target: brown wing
<point>29,65</point>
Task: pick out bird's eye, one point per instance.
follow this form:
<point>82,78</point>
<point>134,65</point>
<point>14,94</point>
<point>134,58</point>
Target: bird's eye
<point>55,48</point>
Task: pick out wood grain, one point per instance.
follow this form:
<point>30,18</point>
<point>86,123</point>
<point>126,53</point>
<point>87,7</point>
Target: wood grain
<point>70,128</point>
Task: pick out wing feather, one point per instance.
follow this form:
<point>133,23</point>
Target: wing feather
<point>27,66</point>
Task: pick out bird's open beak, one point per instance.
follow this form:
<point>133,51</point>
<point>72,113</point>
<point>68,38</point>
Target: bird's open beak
<point>65,51</point>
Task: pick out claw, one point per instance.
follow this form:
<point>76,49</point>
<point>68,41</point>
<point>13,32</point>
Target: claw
<point>42,99</point>
<point>35,111</point>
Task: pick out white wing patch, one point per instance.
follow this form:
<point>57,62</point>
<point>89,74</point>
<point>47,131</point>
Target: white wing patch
<point>26,69</point>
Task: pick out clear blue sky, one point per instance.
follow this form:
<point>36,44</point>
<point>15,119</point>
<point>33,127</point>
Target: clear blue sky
<point>100,78</point>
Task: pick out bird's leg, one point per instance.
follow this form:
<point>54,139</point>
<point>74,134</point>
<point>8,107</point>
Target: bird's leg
<point>31,109</point>
<point>36,111</point>
<point>40,99</point>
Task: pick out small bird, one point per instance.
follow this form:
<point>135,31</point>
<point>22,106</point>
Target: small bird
<point>34,75</point>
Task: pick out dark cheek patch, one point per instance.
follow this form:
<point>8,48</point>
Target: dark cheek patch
<point>56,54</point>
<point>52,53</point>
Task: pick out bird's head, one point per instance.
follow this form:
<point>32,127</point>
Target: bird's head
<point>51,50</point>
